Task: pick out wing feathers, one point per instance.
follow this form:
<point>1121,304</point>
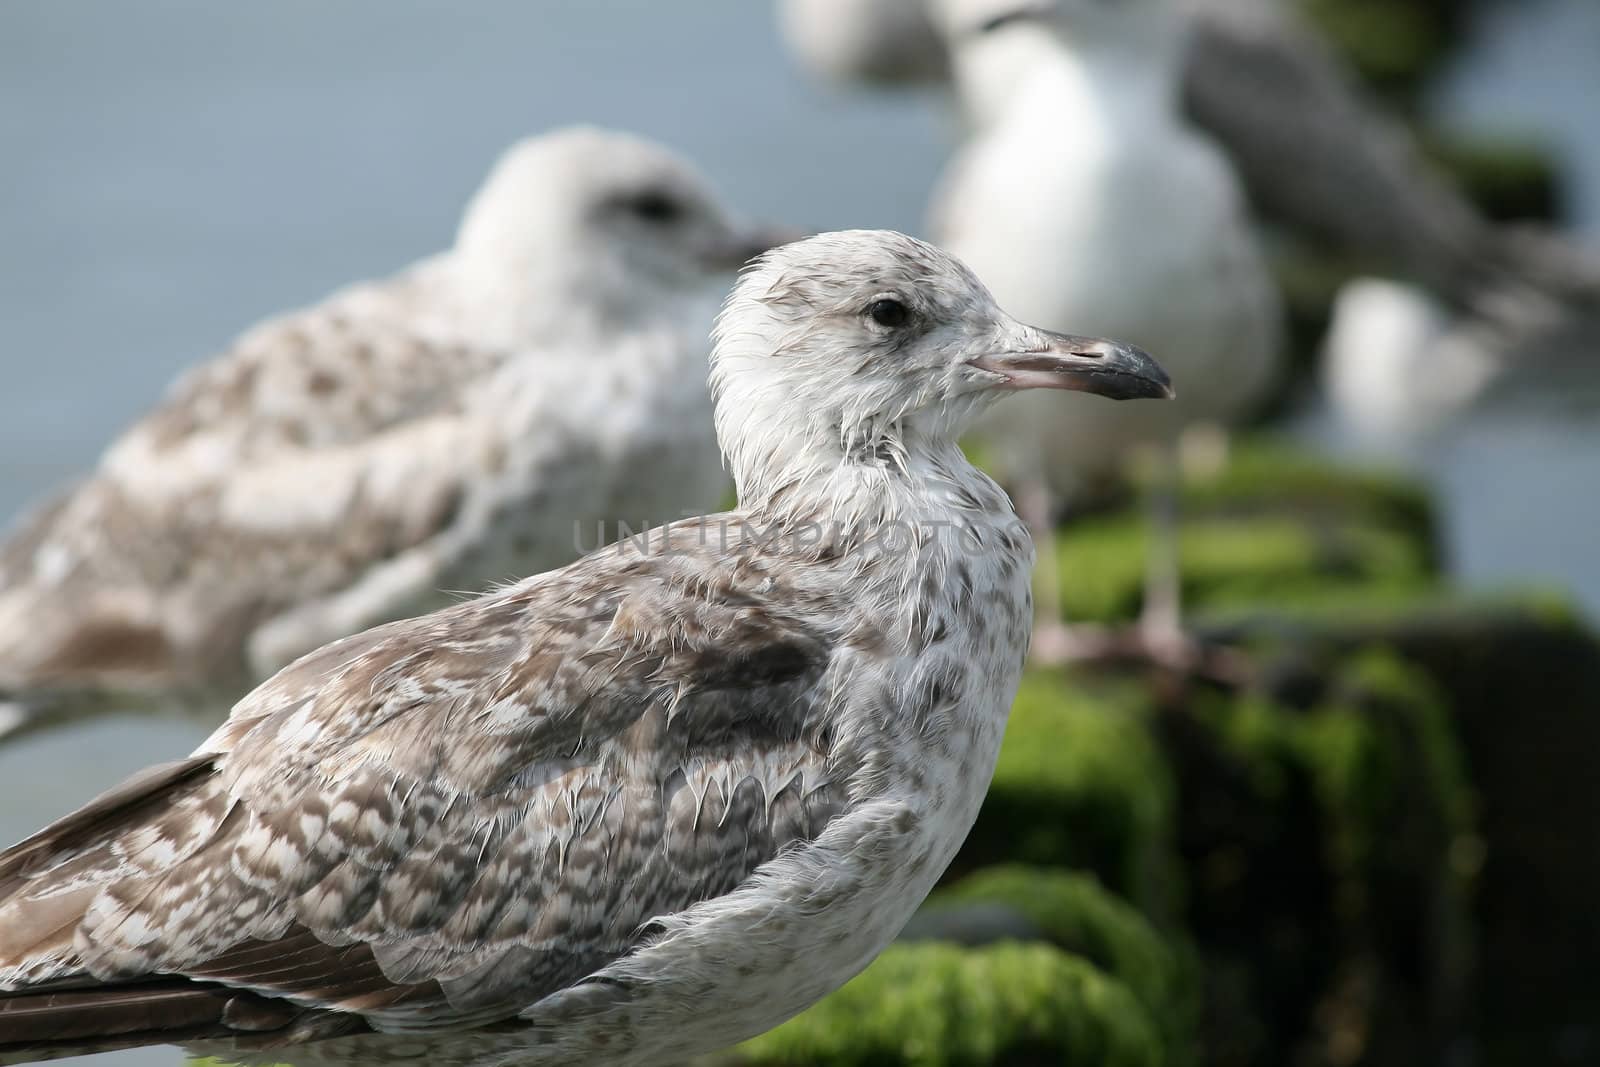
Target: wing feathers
<point>91,825</point>
<point>442,824</point>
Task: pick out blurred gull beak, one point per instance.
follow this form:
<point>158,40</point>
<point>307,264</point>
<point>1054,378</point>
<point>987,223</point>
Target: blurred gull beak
<point>1036,11</point>
<point>1085,364</point>
<point>738,247</point>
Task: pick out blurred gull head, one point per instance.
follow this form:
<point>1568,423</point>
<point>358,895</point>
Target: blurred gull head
<point>997,45</point>
<point>885,42</point>
<point>602,219</point>
<point>871,348</point>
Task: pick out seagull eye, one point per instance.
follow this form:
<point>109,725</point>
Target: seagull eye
<point>889,313</point>
<point>656,207</point>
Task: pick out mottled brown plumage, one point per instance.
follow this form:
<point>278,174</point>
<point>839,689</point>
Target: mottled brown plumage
<point>384,826</point>
<point>405,440</point>
<point>626,811</point>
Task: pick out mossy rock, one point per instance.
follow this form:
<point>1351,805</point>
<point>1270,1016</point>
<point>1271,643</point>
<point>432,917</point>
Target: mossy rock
<point>1520,676</point>
<point>1080,783</point>
<point>1271,524</point>
<point>1331,846</point>
<point>931,1004</point>
<point>1073,911</point>
<point>1267,472</point>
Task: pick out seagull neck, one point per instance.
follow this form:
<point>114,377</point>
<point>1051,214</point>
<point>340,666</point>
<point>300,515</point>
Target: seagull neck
<point>907,484</point>
<point>1090,79</point>
<point>527,300</point>
<point>1094,90</point>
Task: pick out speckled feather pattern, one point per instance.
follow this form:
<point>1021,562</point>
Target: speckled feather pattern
<point>384,451</point>
<point>627,811</point>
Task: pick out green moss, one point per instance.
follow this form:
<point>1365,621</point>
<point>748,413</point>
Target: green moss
<point>1271,475</point>
<point>1233,560</point>
<point>1273,524</point>
<point>1329,835</point>
<point>1078,914</point>
<point>1392,817</point>
<point>931,1005</point>
<point>1433,615</point>
<point>1080,783</point>
<point>1379,741</point>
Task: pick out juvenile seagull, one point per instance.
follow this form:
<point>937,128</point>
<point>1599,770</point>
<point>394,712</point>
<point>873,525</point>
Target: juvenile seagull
<point>627,811</point>
<point>1084,196</point>
<point>348,464</point>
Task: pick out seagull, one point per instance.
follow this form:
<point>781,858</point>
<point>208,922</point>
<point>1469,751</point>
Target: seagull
<point>1394,366</point>
<point>1315,153</point>
<point>1400,369</point>
<point>1084,196</point>
<point>465,421</point>
<point>880,42</point>
<point>627,811</point>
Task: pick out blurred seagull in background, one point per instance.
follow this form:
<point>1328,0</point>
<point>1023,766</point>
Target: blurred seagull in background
<point>880,42</point>
<point>1470,310</point>
<point>1319,157</point>
<point>1395,365</point>
<point>624,812</point>
<point>460,423</point>
<point>1400,367</point>
<point>887,43</point>
<point>1083,196</point>
<point>1317,154</point>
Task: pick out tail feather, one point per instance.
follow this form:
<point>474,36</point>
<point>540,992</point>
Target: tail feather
<point>36,934</point>
<point>92,825</point>
<point>50,1007</point>
<point>53,1023</point>
<point>142,1014</point>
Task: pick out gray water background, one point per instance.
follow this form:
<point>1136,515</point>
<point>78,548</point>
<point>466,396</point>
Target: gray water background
<point>173,170</point>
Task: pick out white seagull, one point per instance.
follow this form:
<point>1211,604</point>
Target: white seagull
<point>1083,196</point>
<point>461,423</point>
<point>627,811</point>
<point>1468,314</point>
<point>1317,155</point>
<point>881,42</point>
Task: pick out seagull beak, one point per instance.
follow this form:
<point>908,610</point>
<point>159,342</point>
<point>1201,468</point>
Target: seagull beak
<point>1085,364</point>
<point>1023,12</point>
<point>738,247</point>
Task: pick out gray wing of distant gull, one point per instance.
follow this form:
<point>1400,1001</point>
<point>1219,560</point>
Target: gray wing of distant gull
<point>1317,154</point>
<point>1314,152</point>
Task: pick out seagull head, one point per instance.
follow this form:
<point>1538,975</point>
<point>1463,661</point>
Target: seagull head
<point>864,347</point>
<point>996,45</point>
<point>886,42</point>
<point>593,217</point>
<point>1104,23</point>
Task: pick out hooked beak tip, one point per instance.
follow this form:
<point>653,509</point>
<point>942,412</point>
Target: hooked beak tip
<point>1110,369</point>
